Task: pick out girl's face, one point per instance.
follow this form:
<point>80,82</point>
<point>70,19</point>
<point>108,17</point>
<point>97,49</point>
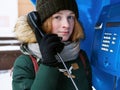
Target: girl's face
<point>63,24</point>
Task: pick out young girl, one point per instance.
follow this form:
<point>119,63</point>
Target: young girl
<point>59,20</point>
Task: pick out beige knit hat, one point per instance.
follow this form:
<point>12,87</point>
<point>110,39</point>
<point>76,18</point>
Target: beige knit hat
<point>23,31</point>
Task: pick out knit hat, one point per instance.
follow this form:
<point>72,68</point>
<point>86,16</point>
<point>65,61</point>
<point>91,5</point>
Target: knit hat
<point>46,8</point>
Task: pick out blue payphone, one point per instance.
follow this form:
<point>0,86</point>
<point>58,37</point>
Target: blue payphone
<point>105,56</point>
<point>106,44</point>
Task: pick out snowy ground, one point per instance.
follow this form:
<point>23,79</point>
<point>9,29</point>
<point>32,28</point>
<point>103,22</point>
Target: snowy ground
<point>5,80</point>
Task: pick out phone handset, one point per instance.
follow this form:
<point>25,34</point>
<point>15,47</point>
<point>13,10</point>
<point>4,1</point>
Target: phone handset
<point>34,21</point>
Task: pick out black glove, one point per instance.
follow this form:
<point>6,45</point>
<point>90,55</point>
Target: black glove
<point>49,46</point>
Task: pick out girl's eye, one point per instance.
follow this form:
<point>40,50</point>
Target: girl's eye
<point>57,17</point>
<point>71,17</point>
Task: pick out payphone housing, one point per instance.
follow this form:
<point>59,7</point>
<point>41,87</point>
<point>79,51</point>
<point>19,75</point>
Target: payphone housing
<point>106,44</point>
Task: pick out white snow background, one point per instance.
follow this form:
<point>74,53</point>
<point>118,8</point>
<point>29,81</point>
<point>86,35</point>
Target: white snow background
<point>5,80</point>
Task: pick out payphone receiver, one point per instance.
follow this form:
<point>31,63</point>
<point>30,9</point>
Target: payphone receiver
<point>35,24</point>
<point>106,44</point>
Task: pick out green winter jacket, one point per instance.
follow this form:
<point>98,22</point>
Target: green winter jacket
<point>49,78</point>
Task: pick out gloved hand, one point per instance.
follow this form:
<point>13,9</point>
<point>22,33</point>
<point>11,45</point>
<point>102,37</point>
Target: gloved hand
<point>49,46</point>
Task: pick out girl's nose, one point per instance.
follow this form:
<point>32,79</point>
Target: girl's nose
<point>65,23</point>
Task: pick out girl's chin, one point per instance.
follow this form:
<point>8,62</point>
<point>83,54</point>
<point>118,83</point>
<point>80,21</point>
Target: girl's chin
<point>64,39</point>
